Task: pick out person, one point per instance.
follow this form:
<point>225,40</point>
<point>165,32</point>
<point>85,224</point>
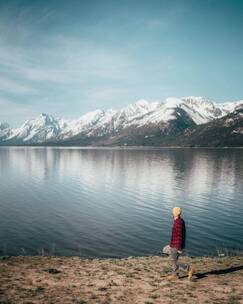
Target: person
<point>177,244</point>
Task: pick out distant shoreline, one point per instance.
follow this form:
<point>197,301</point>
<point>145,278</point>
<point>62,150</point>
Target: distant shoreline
<point>119,147</point>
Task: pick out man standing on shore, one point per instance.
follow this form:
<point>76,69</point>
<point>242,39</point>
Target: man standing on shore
<point>177,244</point>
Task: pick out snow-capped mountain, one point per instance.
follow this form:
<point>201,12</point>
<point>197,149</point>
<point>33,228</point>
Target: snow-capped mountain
<point>143,118</point>
<point>4,130</point>
<point>100,123</point>
<point>37,130</point>
<point>226,131</point>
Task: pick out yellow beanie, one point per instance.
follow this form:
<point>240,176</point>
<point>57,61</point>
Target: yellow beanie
<point>176,211</point>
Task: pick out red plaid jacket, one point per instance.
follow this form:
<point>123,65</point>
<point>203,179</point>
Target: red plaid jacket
<point>178,236</point>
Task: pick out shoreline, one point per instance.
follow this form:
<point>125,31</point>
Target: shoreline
<point>123,147</point>
<point>35,279</point>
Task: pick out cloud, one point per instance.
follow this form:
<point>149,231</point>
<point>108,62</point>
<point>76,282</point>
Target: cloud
<point>11,86</point>
<point>66,60</point>
<point>22,63</point>
<point>44,75</point>
<point>107,95</point>
<point>89,58</point>
<point>10,110</point>
<point>64,72</point>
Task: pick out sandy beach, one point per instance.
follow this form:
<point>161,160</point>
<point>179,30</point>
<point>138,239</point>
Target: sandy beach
<point>132,280</point>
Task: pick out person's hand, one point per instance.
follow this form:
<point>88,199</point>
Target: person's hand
<point>179,251</point>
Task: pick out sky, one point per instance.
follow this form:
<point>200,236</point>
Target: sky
<point>66,58</point>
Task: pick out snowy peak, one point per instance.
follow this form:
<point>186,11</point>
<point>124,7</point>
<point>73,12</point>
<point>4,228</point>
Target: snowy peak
<point>141,106</point>
<point>41,120</point>
<point>196,100</point>
<point>91,117</point>
<point>172,102</point>
<point>4,125</point>
<point>202,110</point>
<point>81,124</point>
<point>41,128</point>
<point>99,123</point>
<point>4,130</point>
<point>45,118</point>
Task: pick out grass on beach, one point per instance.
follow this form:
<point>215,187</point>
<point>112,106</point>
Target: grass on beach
<point>26,280</point>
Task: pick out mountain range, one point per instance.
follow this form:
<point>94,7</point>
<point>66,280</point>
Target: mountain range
<point>186,121</point>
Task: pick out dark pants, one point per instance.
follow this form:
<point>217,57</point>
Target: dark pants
<point>174,257</point>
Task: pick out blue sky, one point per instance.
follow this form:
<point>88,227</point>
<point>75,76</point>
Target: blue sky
<point>70,57</point>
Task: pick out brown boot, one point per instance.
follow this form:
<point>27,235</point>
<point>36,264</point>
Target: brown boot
<point>172,277</point>
<point>190,273</point>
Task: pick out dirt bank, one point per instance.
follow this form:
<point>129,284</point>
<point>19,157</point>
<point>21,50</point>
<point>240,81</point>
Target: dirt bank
<point>133,280</point>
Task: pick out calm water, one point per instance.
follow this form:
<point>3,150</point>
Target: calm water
<point>104,202</point>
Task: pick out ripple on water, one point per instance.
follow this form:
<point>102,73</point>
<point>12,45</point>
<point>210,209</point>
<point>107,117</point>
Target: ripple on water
<point>118,203</point>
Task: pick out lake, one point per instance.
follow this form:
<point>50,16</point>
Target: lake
<point>117,202</point>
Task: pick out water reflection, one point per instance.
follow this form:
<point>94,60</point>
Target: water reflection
<point>109,202</point>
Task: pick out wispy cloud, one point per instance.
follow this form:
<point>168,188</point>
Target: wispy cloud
<point>45,74</point>
<point>108,95</point>
<point>71,58</point>
<point>13,87</point>
<point>11,110</point>
<point>60,67</point>
<point>68,60</point>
